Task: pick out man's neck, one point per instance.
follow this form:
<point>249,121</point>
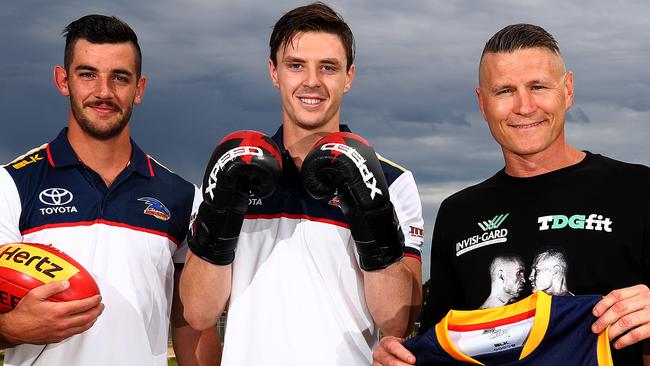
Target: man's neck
<point>108,158</point>
<point>524,166</point>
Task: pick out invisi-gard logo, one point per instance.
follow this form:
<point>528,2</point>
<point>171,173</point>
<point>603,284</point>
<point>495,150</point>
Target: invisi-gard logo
<point>581,222</point>
<point>491,235</point>
<point>494,223</point>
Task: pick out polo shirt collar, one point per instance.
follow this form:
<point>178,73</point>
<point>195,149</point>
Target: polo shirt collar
<point>60,154</point>
<point>279,138</point>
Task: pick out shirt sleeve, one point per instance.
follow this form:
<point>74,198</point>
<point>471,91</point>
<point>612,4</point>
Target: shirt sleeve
<point>408,207</point>
<point>10,209</point>
<point>181,252</point>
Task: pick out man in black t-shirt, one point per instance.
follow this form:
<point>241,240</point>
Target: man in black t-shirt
<point>596,209</point>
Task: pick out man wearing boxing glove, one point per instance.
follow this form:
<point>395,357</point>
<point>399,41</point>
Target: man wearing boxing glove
<point>311,281</point>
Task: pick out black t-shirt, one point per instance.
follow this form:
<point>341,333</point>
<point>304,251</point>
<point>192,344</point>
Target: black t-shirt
<point>582,230</point>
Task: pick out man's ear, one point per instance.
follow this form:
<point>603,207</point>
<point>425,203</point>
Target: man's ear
<point>349,77</point>
<point>500,275</point>
<point>556,270</point>
<point>273,73</point>
<point>61,80</point>
<point>139,91</point>
<point>480,102</point>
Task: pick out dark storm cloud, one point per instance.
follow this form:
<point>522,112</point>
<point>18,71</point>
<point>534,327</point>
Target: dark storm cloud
<point>413,95</point>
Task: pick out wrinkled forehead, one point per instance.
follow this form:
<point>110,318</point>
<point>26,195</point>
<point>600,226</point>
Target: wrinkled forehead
<point>497,64</point>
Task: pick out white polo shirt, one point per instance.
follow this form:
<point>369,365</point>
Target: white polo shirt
<point>125,236</point>
<point>297,290</point>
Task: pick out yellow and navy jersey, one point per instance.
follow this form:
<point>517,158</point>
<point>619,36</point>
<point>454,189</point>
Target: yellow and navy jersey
<point>296,273</point>
<point>539,330</point>
<point>128,236</point>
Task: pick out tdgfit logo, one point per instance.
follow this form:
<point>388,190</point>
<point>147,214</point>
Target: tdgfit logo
<point>491,235</point>
<point>56,198</point>
<point>580,222</point>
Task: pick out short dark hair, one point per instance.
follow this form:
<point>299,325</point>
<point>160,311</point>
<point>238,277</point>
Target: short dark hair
<point>315,17</point>
<point>99,29</point>
<point>520,36</point>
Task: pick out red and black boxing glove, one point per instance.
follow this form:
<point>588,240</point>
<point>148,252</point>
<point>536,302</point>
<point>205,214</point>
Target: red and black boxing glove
<point>345,165</point>
<point>244,162</point>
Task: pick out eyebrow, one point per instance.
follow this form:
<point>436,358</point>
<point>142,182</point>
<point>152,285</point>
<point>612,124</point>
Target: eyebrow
<point>498,87</point>
<point>114,71</point>
<point>331,61</point>
<point>291,59</point>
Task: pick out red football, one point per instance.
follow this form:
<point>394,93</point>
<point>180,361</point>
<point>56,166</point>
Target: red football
<point>24,266</point>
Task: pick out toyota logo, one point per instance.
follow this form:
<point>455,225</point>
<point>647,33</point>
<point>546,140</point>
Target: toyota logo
<point>55,196</point>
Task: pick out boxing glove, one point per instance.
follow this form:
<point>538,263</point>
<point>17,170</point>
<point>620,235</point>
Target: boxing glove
<point>345,165</point>
<point>244,162</point>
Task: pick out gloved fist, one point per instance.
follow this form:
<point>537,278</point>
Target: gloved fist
<point>345,165</point>
<point>244,162</point>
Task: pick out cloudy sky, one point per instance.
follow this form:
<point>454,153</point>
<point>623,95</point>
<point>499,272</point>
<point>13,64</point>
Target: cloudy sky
<point>413,98</point>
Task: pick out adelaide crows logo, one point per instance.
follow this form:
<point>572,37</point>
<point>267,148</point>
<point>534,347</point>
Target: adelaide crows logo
<point>156,209</point>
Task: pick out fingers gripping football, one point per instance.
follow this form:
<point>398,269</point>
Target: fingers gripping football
<point>244,162</point>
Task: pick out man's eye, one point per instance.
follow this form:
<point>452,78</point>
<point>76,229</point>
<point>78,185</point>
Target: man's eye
<point>504,91</point>
<point>537,87</point>
<point>123,79</point>
<point>329,68</point>
<point>295,66</point>
<point>87,75</point>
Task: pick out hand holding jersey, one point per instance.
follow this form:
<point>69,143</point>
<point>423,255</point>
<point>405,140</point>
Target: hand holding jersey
<point>391,352</point>
<point>345,164</point>
<point>244,162</point>
<point>627,312</point>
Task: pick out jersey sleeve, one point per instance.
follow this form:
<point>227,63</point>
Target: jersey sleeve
<point>10,209</point>
<point>408,207</point>
<point>181,252</point>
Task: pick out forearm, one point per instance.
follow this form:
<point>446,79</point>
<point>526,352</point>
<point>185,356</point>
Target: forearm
<point>193,347</point>
<point>394,296</point>
<point>204,291</point>
<point>4,343</point>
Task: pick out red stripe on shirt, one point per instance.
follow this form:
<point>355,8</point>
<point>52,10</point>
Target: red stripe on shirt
<point>150,167</point>
<point>492,324</point>
<point>298,216</point>
<point>104,222</point>
<point>49,155</point>
<point>413,256</point>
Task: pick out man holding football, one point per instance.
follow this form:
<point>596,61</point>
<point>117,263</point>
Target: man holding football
<point>95,195</point>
